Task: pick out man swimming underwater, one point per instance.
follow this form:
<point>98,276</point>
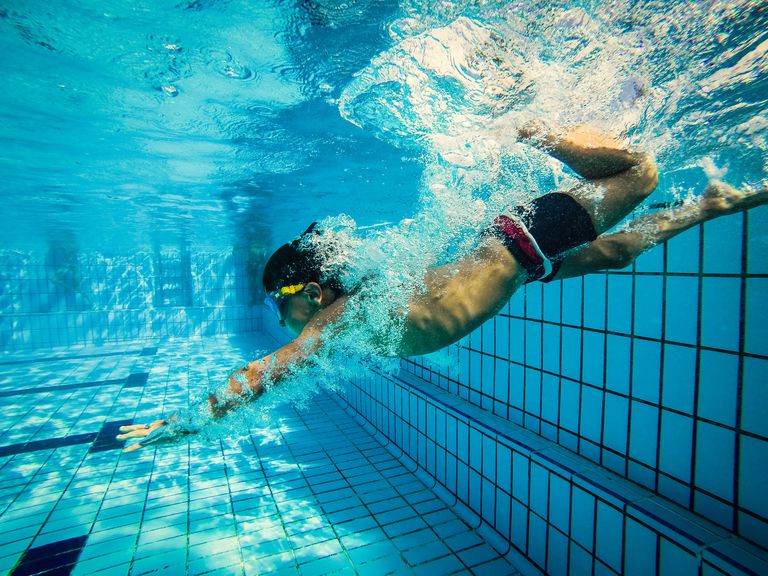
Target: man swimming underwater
<point>538,241</point>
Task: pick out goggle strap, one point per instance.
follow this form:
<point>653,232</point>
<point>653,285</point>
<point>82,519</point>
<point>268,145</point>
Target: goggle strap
<point>289,290</point>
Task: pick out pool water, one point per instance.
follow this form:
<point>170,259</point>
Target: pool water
<point>153,154</point>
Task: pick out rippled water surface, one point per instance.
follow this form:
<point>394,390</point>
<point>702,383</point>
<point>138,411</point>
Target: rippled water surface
<point>220,122</point>
<point>211,121</point>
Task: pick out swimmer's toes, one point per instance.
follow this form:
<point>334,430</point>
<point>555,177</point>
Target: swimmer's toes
<point>720,198</point>
<point>761,196</point>
<point>749,198</point>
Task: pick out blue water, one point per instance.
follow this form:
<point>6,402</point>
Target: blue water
<point>153,154</point>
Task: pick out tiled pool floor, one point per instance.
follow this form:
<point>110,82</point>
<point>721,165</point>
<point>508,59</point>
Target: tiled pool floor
<point>311,493</point>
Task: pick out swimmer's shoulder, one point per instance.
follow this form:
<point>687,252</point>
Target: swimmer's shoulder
<point>328,315</point>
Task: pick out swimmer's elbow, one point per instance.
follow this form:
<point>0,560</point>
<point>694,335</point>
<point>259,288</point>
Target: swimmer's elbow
<point>246,381</point>
<point>275,366</point>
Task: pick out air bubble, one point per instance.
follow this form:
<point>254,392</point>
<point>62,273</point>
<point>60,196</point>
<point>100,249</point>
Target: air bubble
<point>229,67</point>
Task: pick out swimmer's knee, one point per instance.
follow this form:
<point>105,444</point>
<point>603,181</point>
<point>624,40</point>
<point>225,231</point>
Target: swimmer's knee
<point>615,253</point>
<point>646,176</point>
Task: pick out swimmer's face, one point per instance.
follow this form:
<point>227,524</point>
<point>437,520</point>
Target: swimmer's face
<point>300,308</point>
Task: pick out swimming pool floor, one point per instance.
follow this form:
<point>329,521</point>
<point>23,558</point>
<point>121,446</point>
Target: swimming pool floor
<point>310,493</point>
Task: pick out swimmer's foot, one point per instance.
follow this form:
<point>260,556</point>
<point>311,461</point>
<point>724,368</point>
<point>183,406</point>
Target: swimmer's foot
<point>720,199</point>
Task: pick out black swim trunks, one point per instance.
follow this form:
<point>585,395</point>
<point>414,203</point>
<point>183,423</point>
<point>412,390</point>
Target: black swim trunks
<point>539,232</point>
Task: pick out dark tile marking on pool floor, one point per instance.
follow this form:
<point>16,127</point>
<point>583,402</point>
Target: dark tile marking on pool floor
<point>105,440</point>
<point>148,351</point>
<point>47,444</point>
<point>137,380</point>
<point>102,440</point>
<point>57,558</point>
<point>44,388</point>
<point>73,357</point>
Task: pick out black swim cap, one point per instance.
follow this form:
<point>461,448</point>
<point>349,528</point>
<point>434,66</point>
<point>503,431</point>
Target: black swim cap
<point>295,263</point>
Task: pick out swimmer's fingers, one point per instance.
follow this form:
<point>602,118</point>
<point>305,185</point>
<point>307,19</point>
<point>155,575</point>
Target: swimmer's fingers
<point>132,427</point>
<point>139,430</point>
<point>144,432</point>
<point>134,433</point>
<point>158,432</point>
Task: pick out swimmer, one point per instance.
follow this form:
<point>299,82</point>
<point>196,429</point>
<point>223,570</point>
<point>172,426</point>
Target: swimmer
<point>556,236</point>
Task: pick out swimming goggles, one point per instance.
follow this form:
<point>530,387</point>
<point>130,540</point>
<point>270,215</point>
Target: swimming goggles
<point>276,300</point>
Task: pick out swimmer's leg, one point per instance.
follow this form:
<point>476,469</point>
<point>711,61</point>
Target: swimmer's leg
<point>617,179</point>
<point>620,249</point>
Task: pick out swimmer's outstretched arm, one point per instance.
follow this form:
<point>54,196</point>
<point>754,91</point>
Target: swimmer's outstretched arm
<point>249,382</point>
<point>243,385</point>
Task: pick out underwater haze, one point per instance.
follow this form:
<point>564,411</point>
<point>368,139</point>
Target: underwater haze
<point>126,123</point>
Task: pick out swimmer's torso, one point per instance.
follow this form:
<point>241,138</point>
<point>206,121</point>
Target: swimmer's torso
<point>457,298</point>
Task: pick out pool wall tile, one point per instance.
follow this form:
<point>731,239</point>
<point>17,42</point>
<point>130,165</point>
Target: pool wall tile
<point>540,499</point>
<point>125,298</point>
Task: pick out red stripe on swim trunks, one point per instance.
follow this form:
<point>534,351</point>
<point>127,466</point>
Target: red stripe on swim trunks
<point>515,232</point>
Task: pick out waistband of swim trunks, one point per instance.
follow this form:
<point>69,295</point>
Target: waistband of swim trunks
<point>522,245</point>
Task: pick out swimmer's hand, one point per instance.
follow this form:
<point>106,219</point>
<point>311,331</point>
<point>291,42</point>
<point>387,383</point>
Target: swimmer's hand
<point>158,432</point>
<point>138,431</point>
